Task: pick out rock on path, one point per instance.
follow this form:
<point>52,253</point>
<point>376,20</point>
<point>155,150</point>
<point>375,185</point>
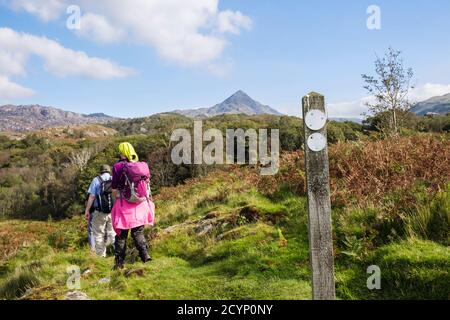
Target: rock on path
<point>76,295</point>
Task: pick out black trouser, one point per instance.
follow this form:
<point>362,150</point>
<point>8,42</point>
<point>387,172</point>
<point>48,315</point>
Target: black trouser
<point>120,246</point>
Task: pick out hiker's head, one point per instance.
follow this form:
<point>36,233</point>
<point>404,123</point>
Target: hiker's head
<point>104,168</point>
<point>126,150</point>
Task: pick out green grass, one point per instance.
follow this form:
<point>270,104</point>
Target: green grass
<point>411,269</point>
<point>234,271</point>
<point>263,255</point>
<point>415,269</point>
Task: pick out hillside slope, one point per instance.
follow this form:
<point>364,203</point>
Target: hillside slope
<point>439,105</point>
<point>25,118</point>
<point>236,235</point>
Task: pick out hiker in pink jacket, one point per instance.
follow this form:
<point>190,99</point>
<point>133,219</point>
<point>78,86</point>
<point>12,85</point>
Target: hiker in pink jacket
<point>133,208</point>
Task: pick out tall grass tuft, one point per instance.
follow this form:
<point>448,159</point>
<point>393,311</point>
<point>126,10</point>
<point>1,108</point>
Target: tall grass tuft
<point>17,285</point>
<point>432,221</point>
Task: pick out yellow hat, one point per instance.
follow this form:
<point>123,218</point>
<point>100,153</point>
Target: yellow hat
<point>127,150</point>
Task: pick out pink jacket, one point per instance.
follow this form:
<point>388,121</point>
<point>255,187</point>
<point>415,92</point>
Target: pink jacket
<point>126,215</point>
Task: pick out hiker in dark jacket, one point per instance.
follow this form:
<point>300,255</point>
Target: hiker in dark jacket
<point>101,225</point>
<point>133,209</point>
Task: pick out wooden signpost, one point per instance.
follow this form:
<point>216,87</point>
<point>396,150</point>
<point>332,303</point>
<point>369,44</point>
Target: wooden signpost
<point>319,204</point>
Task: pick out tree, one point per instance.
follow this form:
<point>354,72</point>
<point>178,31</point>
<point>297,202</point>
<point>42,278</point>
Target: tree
<point>390,88</point>
<point>80,158</point>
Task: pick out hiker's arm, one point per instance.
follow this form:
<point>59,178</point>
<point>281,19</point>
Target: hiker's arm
<point>115,193</point>
<point>89,204</point>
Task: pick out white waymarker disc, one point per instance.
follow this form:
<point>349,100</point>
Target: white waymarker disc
<point>317,142</point>
<point>315,120</point>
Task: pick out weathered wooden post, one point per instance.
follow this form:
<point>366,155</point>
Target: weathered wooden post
<point>319,203</point>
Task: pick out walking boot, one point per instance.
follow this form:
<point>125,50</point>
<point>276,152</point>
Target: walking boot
<point>119,264</point>
<point>146,258</point>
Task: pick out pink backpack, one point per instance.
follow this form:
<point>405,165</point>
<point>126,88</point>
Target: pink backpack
<point>137,182</point>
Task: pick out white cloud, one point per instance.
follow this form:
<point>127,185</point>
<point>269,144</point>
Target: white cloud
<point>99,29</point>
<point>46,10</point>
<point>351,109</point>
<point>189,32</point>
<point>16,48</point>
<point>10,90</point>
<point>229,21</point>
<point>12,62</point>
<point>428,91</point>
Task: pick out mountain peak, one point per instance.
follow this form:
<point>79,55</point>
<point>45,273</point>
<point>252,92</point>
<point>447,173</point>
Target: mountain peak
<point>238,103</point>
<point>240,97</point>
<point>240,93</point>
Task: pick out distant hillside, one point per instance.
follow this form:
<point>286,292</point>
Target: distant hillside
<point>238,103</point>
<point>161,123</point>
<point>72,132</point>
<point>439,104</point>
<point>26,118</point>
<point>355,120</point>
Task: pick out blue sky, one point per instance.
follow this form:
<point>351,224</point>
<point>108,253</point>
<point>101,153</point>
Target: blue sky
<point>276,51</point>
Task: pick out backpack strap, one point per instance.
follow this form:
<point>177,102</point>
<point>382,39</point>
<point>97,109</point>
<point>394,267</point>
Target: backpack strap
<point>97,197</point>
<point>150,197</point>
<point>99,177</point>
<point>123,177</point>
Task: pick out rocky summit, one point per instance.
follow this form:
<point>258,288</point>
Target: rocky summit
<point>238,103</point>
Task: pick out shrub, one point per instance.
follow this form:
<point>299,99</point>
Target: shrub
<point>10,180</point>
<point>74,209</point>
<point>365,172</point>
